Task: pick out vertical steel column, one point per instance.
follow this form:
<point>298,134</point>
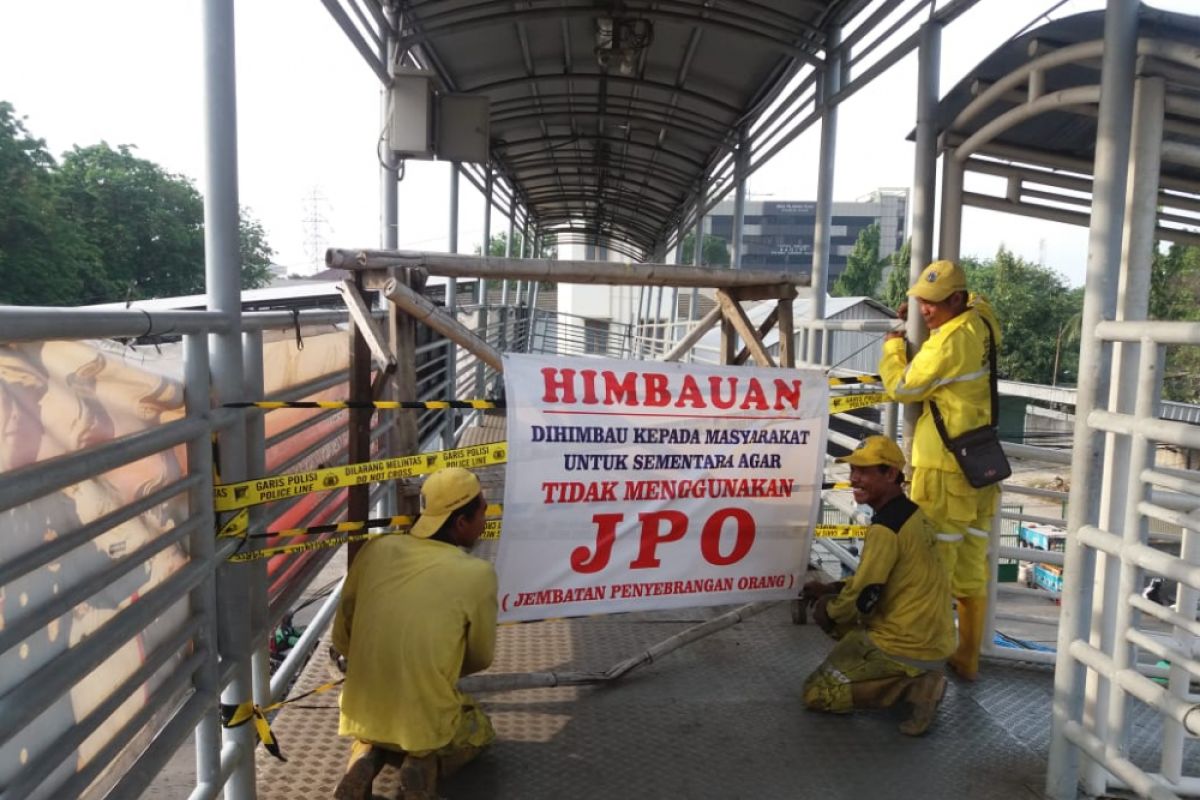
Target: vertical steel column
<point>481,284</point>
<point>389,239</point>
<point>929,59</point>
<point>201,545</point>
<point>484,250</point>
<point>831,84</point>
<point>1104,247</point>
<point>256,464</point>
<point>698,245</point>
<point>223,281</point>
<point>660,340</point>
<point>1135,390</point>
<point>950,237</point>
<point>389,188</point>
<point>389,234</point>
<point>534,286</point>
<point>508,244</point>
<point>741,165</point>
<point>450,424</point>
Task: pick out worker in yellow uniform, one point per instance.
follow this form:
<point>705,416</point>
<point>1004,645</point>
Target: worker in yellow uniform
<point>417,612</point>
<point>951,369</point>
<point>892,617</point>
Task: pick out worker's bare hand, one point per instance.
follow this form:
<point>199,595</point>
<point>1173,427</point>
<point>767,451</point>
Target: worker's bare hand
<point>893,335</point>
<point>902,311</point>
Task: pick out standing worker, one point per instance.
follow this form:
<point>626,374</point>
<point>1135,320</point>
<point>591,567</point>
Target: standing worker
<point>892,617</point>
<point>417,612</point>
<point>951,369</point>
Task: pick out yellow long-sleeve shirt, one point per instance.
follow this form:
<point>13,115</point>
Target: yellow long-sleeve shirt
<point>951,369</point>
<point>415,615</point>
<point>900,591</point>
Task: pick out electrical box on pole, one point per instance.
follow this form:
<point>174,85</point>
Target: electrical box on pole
<point>462,128</point>
<point>410,123</point>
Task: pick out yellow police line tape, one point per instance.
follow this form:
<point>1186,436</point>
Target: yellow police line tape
<point>849,402</point>
<point>848,380</point>
<point>239,525</point>
<point>232,496</point>
<point>385,404</point>
<point>839,531</point>
<point>357,532</point>
<point>235,716</point>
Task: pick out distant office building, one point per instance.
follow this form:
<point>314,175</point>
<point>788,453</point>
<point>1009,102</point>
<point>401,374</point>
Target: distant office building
<point>778,234</point>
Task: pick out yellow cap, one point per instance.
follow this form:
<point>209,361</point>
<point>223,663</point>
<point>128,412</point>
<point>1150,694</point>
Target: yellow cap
<point>443,493</point>
<point>875,451</point>
<point>938,281</point>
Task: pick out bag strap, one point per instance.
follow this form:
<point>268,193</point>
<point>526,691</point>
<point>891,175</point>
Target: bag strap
<point>993,381</point>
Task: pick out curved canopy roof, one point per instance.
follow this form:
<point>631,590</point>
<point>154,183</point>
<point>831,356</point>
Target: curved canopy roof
<point>606,116</point>
<point>1070,133</point>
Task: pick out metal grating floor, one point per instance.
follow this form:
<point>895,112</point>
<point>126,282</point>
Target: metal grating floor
<point>720,718</point>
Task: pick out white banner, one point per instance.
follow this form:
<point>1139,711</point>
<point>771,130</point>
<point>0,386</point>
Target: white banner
<point>635,485</point>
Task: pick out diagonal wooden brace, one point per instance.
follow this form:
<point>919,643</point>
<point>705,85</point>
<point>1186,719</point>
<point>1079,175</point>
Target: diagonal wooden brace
<point>366,323</point>
<point>702,327</point>
<point>423,310</point>
<point>733,312</point>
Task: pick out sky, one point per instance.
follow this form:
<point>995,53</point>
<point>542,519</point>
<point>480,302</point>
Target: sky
<point>131,72</point>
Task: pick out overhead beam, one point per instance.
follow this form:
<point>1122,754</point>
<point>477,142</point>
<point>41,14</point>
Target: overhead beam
<point>540,269</point>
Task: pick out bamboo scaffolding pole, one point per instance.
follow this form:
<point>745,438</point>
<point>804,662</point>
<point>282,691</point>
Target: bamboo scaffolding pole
<point>541,269</point>
<point>423,310</point>
<point>507,681</point>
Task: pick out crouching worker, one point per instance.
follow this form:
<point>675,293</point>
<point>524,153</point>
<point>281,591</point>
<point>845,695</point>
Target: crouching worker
<point>417,612</point>
<point>892,618</point>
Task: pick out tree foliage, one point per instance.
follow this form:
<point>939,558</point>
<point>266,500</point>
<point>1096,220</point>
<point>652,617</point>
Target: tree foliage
<point>864,267</point>
<point>714,254</point>
<point>105,226</point>
<point>43,257</point>
<point>547,245</point>
<point>1034,306</point>
<point>1175,295</point>
<point>895,288</point>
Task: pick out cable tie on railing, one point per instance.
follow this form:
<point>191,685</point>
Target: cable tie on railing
<point>149,323</point>
<point>296,324</point>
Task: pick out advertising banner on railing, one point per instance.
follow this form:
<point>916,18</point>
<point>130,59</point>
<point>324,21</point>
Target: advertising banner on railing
<point>635,485</point>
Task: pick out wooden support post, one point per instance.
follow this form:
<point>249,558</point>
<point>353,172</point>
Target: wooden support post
<point>358,498</point>
<point>402,434</point>
<point>787,334</point>
<point>733,312</point>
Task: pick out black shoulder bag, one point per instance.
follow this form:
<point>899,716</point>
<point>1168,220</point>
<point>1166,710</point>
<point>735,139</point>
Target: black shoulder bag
<point>978,452</point>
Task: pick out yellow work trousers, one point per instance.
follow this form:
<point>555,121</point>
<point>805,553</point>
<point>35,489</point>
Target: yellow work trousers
<point>474,733</point>
<point>963,515</point>
<point>854,659</point>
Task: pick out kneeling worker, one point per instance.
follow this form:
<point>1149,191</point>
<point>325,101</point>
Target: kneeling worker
<point>417,612</point>
<point>892,617</point>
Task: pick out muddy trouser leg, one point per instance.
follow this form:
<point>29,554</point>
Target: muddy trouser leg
<point>421,770</point>
<point>856,674</point>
